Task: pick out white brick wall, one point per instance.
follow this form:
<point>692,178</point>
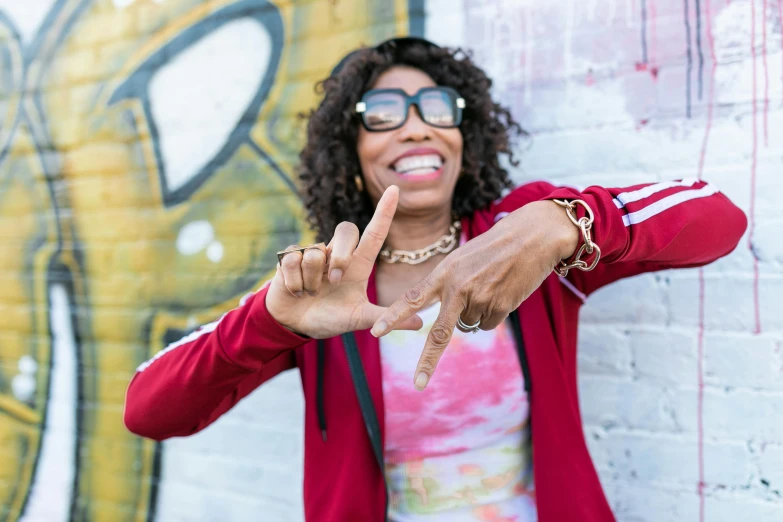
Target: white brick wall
<point>639,349</point>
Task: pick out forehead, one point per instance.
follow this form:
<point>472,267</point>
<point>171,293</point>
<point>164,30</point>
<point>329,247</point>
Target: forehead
<point>409,79</point>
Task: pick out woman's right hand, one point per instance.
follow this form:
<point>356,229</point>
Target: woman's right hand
<point>323,293</point>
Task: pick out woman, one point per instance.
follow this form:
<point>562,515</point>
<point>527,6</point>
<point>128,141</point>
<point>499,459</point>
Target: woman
<point>402,164</point>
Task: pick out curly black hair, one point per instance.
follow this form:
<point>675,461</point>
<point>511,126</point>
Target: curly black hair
<point>329,162</point>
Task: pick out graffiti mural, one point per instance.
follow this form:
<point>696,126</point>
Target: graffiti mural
<point>147,159</point>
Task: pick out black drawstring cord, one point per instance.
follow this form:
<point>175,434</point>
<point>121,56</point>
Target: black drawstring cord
<point>319,397</point>
<point>516,328</point>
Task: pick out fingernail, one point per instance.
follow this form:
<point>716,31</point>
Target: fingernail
<point>379,328</point>
<point>335,276</point>
<point>298,294</point>
<point>421,381</point>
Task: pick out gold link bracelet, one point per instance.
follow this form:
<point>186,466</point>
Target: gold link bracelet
<point>585,224</point>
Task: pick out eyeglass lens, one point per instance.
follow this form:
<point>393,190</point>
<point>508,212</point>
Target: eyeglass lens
<point>385,110</point>
<point>438,108</point>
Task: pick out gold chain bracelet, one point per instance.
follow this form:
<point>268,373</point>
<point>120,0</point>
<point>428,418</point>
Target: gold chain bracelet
<point>585,224</point>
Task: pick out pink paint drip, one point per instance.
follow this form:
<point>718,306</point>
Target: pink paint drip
<point>700,397</point>
<point>780,24</point>
<point>652,55</point>
<point>702,284</point>
<point>754,161</point>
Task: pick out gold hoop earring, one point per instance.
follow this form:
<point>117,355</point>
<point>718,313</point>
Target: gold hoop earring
<point>359,183</point>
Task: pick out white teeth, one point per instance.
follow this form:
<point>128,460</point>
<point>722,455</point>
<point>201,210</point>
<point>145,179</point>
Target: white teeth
<point>419,172</point>
<point>409,164</point>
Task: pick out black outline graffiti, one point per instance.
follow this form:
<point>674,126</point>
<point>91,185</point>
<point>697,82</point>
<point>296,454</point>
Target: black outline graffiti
<point>644,30</point>
<point>699,49</point>
<point>15,78</point>
<point>137,86</point>
<point>689,56</point>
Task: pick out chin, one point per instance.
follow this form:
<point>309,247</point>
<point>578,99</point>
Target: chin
<point>422,202</point>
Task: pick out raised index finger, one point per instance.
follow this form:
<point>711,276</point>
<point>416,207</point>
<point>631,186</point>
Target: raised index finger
<point>375,234</point>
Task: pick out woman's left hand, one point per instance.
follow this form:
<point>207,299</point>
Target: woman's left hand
<point>487,278</point>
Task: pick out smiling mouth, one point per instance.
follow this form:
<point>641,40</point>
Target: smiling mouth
<point>418,165</point>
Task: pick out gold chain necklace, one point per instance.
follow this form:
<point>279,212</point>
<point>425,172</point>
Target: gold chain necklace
<point>444,245</point>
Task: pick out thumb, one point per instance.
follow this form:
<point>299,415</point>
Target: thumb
<point>371,313</point>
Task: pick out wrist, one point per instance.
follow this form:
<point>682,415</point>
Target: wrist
<point>547,225</point>
<point>272,310</point>
<point>567,235</point>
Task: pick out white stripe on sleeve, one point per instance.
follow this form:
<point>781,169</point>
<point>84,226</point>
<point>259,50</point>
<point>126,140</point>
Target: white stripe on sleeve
<point>207,328</point>
<point>629,197</point>
<point>568,284</point>
<point>667,203</point>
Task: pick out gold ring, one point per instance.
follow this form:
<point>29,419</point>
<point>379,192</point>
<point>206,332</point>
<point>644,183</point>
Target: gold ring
<point>282,253</point>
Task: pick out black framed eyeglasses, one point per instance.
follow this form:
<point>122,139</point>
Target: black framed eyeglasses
<point>387,109</point>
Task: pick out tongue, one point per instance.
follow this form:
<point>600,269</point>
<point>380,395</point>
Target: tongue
<point>417,172</point>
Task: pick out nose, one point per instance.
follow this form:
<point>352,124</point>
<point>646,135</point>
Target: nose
<point>414,129</point>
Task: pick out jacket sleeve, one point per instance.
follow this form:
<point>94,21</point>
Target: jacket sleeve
<point>643,228</point>
<point>189,384</point>
<point>655,226</point>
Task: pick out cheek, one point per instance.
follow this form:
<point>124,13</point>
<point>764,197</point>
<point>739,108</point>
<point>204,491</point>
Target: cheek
<point>453,138</point>
<point>369,147</point>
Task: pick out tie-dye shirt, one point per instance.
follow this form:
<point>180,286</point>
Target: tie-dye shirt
<point>460,450</point>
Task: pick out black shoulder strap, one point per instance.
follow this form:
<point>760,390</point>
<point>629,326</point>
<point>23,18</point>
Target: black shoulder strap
<point>517,329</point>
<point>319,394</point>
<point>366,405</point>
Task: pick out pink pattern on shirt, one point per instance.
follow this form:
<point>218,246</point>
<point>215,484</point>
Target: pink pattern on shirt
<point>458,451</point>
<point>475,395</point>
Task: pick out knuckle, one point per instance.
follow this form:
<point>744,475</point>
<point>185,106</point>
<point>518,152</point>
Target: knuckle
<point>413,297</point>
<point>339,261</point>
<point>347,228</point>
<point>292,261</point>
<point>463,290</point>
<point>489,325</point>
<point>440,335</point>
<point>427,362</point>
<point>375,236</point>
<point>313,256</point>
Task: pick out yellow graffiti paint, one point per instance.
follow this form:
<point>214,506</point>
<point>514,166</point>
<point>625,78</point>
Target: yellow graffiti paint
<point>29,237</point>
<point>161,210</point>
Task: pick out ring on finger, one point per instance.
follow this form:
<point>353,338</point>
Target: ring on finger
<point>467,328</point>
<point>281,254</point>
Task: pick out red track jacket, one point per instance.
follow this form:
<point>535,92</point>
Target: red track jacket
<point>642,228</point>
